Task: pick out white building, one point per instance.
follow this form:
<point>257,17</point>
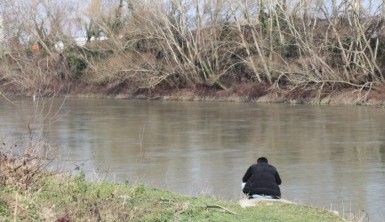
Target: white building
<point>79,41</point>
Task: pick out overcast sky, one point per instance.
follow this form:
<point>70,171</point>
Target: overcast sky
<point>76,9</point>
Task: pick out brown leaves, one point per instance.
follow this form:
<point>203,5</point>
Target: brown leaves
<point>21,171</point>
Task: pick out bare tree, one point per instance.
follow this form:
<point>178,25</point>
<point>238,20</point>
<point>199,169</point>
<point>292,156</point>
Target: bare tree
<point>334,8</point>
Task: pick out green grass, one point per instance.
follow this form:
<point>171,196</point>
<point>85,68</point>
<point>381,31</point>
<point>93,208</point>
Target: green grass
<point>78,200</point>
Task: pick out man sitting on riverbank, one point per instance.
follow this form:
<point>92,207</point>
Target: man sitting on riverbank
<point>262,180</point>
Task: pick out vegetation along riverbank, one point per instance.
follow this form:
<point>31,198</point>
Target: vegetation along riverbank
<point>28,193</point>
<point>265,51</point>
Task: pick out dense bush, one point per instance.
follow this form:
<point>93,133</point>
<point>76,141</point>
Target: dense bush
<point>77,65</point>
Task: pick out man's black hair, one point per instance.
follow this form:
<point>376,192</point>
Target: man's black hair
<point>262,160</point>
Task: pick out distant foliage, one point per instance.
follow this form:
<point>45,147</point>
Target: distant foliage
<point>145,45</point>
<point>77,65</point>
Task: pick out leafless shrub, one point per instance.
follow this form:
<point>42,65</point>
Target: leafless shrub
<point>23,169</point>
<point>175,43</point>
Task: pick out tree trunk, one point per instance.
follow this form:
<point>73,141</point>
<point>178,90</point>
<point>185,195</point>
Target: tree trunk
<point>383,10</point>
<point>334,8</point>
<point>304,8</point>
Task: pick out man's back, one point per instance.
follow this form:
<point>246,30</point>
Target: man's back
<point>262,179</point>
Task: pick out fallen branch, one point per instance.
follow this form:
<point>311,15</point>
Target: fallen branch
<point>220,207</point>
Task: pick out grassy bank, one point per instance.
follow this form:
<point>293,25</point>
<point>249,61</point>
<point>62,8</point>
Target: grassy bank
<point>74,199</point>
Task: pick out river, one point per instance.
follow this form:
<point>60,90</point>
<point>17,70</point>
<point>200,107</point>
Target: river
<point>328,156</point>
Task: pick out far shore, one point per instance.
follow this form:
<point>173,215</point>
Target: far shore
<point>247,93</point>
<point>348,97</point>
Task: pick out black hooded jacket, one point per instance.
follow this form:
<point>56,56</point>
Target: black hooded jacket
<point>262,179</point>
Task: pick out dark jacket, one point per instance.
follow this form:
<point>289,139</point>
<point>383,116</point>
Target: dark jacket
<point>262,179</point>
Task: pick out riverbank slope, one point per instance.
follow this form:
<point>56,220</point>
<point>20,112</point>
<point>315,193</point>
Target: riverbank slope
<point>257,93</point>
<point>63,199</point>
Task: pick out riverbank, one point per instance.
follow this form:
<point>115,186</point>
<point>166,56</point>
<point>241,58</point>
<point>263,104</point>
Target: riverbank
<point>255,93</point>
<point>343,97</point>
<point>28,192</point>
<point>68,199</point>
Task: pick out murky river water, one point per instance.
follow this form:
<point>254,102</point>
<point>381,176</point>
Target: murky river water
<point>331,157</point>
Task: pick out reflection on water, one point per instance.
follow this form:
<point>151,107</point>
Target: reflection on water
<point>327,156</point>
